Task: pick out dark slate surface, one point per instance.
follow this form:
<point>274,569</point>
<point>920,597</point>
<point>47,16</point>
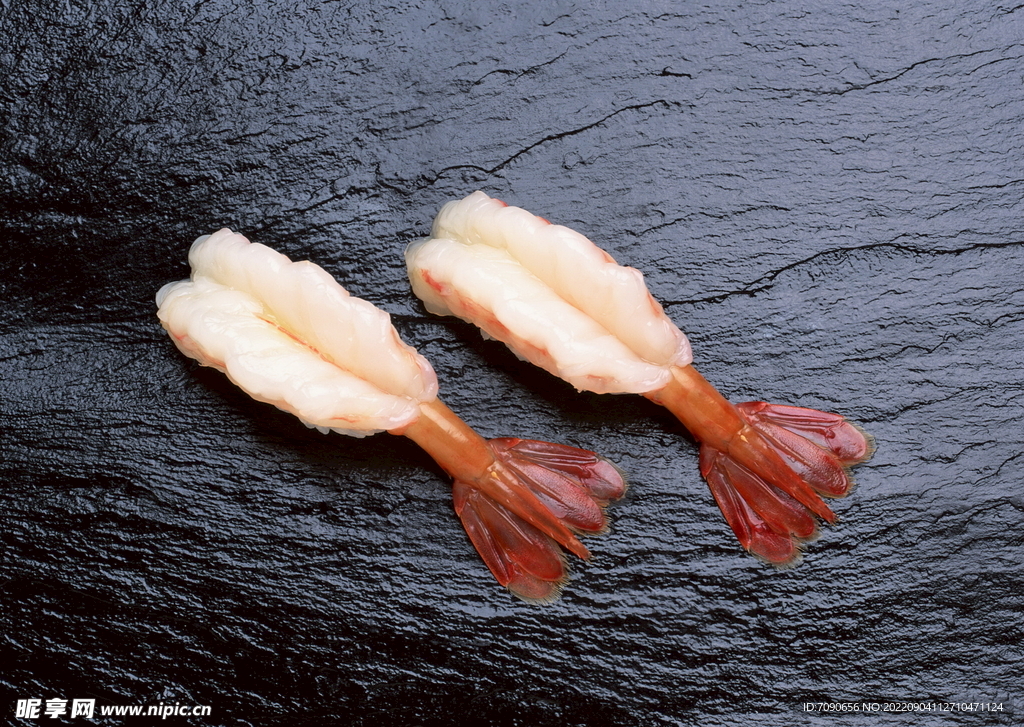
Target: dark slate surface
<point>827,197</point>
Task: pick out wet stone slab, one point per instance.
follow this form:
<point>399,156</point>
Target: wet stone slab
<point>826,199</point>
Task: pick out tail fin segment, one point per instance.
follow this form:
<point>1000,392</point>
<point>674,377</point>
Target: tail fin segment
<point>846,441</point>
<point>573,484</point>
<point>817,446</point>
<point>753,531</point>
<point>521,557</point>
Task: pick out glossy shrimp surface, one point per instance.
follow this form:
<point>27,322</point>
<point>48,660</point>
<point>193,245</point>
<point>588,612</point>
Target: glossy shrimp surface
<point>288,334</point>
<point>559,301</point>
<point>513,274</point>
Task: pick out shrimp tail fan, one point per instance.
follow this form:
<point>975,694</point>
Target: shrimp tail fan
<point>770,518</point>
<point>573,484</point>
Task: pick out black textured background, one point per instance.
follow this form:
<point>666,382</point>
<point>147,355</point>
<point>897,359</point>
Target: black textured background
<point>827,197</point>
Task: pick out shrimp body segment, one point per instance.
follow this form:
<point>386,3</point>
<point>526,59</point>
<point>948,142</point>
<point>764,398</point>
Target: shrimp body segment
<point>288,334</point>
<point>559,301</point>
<point>514,275</point>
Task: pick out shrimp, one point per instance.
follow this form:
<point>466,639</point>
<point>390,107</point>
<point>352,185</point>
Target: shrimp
<point>288,334</point>
<point>560,302</point>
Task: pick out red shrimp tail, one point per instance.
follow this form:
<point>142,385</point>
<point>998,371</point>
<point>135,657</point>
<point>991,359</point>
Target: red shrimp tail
<point>794,428</point>
<point>768,465</point>
<point>771,517</point>
<point>573,485</point>
<point>521,557</point>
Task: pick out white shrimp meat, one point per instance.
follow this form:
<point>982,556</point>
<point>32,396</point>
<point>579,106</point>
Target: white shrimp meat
<point>288,334</point>
<point>512,273</point>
